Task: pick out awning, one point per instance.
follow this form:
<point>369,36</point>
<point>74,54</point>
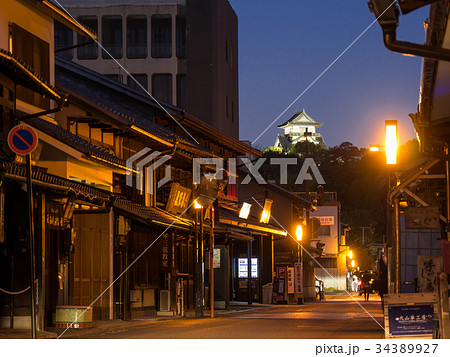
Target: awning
<point>14,68</point>
<point>232,219</point>
<point>222,230</point>
<point>62,16</point>
<point>150,215</point>
<point>82,192</point>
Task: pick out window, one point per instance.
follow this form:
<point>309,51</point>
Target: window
<point>36,54</point>
<point>90,51</point>
<point>63,39</point>
<point>112,37</point>
<point>181,91</point>
<point>162,87</point>
<point>162,37</point>
<point>140,78</point>
<point>181,37</point>
<point>136,37</point>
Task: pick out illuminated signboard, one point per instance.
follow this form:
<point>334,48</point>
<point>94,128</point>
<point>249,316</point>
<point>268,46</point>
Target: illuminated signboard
<point>243,267</point>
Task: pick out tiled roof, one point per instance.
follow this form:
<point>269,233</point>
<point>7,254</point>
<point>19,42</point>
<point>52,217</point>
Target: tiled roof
<point>87,148</point>
<point>150,215</point>
<point>82,191</point>
<point>13,67</point>
<point>301,118</point>
<point>147,215</point>
<point>130,106</point>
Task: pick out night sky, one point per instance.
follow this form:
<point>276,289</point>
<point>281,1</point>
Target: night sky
<point>285,45</point>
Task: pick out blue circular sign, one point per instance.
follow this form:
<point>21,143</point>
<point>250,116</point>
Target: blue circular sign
<point>22,139</point>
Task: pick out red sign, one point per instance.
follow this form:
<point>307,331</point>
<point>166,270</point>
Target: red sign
<point>22,139</point>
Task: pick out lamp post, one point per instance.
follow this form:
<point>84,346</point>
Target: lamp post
<point>308,271</point>
<point>391,145</point>
<point>198,262</point>
<point>390,148</point>
<point>299,265</point>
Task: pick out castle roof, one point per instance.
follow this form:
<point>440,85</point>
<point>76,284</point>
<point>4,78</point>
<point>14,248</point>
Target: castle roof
<point>302,119</point>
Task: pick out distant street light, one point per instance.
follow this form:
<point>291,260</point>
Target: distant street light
<point>299,233</point>
<point>350,254</point>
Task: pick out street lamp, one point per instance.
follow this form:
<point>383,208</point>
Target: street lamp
<point>350,254</point>
<point>299,265</point>
<point>245,210</point>
<point>199,261</point>
<point>391,159</point>
<point>265,215</point>
<point>391,144</point>
<point>299,234</point>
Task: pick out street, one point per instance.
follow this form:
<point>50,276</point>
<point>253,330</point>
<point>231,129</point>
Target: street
<point>335,318</point>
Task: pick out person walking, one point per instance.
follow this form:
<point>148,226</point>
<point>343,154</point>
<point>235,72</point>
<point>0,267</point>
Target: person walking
<point>366,287</point>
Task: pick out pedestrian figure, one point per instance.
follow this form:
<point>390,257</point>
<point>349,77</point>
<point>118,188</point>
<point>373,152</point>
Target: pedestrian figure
<point>382,280</point>
<point>366,287</point>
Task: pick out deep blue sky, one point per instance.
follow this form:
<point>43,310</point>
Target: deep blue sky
<point>285,45</point>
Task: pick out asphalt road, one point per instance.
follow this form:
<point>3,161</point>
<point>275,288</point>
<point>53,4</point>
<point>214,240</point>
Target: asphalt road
<point>331,319</point>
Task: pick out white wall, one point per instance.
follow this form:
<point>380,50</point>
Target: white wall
<point>331,242</point>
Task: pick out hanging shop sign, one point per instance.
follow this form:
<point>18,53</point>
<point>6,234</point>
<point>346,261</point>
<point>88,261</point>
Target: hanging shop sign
<point>298,278</point>
<point>54,215</point>
<point>178,199</point>
<point>427,269</point>
<point>290,280</point>
<point>165,252</point>
<point>422,217</point>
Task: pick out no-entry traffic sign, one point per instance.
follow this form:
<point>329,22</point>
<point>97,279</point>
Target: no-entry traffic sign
<point>22,139</point>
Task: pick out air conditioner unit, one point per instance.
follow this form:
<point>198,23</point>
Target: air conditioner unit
<point>164,300</point>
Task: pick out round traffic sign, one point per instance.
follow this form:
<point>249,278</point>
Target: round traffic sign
<point>22,139</point>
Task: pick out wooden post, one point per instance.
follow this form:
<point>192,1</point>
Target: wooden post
<point>211,262</point>
<point>444,320</point>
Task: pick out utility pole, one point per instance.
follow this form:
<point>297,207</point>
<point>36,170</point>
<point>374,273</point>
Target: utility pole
<point>363,234</point>
<point>308,278</point>
<point>31,236</point>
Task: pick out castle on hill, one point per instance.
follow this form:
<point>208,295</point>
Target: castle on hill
<point>294,131</point>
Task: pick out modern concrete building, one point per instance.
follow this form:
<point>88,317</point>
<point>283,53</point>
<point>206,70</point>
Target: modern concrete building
<point>183,52</point>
